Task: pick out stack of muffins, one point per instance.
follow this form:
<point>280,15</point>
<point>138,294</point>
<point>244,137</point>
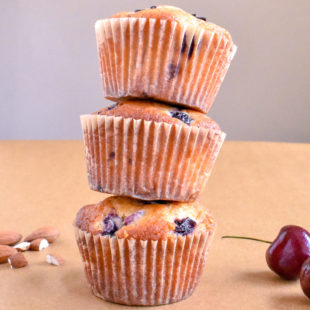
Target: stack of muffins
<point>154,148</point>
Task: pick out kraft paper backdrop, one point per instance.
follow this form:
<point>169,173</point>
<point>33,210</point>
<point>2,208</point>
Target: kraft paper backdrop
<point>255,189</point>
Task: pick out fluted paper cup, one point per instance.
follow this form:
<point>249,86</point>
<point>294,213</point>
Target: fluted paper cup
<point>163,60</point>
<point>143,272</point>
<point>146,159</point>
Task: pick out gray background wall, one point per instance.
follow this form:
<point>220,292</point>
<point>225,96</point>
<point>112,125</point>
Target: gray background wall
<point>49,71</point>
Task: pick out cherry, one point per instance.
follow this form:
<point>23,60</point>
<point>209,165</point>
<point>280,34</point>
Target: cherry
<point>287,252</point>
<point>305,277</point>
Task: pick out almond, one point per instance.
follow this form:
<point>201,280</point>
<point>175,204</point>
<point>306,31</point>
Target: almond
<point>22,247</point>
<point>6,252</point>
<point>49,233</point>
<point>55,259</point>
<point>17,260</point>
<point>38,245</point>
<point>9,237</point>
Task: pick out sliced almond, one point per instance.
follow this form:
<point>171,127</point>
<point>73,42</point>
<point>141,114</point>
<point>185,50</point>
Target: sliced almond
<point>5,252</point>
<point>38,245</point>
<point>55,259</point>
<point>9,237</point>
<point>17,260</point>
<point>22,247</point>
<point>49,233</point>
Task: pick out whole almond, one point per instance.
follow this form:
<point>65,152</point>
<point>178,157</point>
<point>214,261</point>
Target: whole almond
<point>49,233</point>
<point>38,245</point>
<point>17,260</point>
<point>9,237</point>
<point>5,253</point>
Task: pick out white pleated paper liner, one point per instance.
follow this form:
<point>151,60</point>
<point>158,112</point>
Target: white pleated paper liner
<point>163,60</point>
<point>148,160</point>
<point>143,272</point>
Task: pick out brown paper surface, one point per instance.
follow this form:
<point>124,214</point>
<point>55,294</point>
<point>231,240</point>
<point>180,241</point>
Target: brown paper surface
<point>254,189</point>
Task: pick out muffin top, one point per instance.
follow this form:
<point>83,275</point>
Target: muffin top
<point>172,13</point>
<point>159,112</point>
<point>146,220</point>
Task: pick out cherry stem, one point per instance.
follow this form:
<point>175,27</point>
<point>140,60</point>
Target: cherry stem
<point>246,238</point>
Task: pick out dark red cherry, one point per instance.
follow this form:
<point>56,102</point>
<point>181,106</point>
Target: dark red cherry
<point>288,251</point>
<point>305,277</point>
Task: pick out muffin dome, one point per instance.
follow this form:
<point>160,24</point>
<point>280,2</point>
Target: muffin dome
<point>158,112</point>
<point>145,220</point>
<point>172,13</point>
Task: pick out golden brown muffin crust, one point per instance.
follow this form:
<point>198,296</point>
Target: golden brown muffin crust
<point>158,112</point>
<point>156,220</point>
<point>172,13</point>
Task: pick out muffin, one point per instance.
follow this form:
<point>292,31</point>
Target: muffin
<point>149,150</point>
<point>165,54</point>
<point>143,253</point>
